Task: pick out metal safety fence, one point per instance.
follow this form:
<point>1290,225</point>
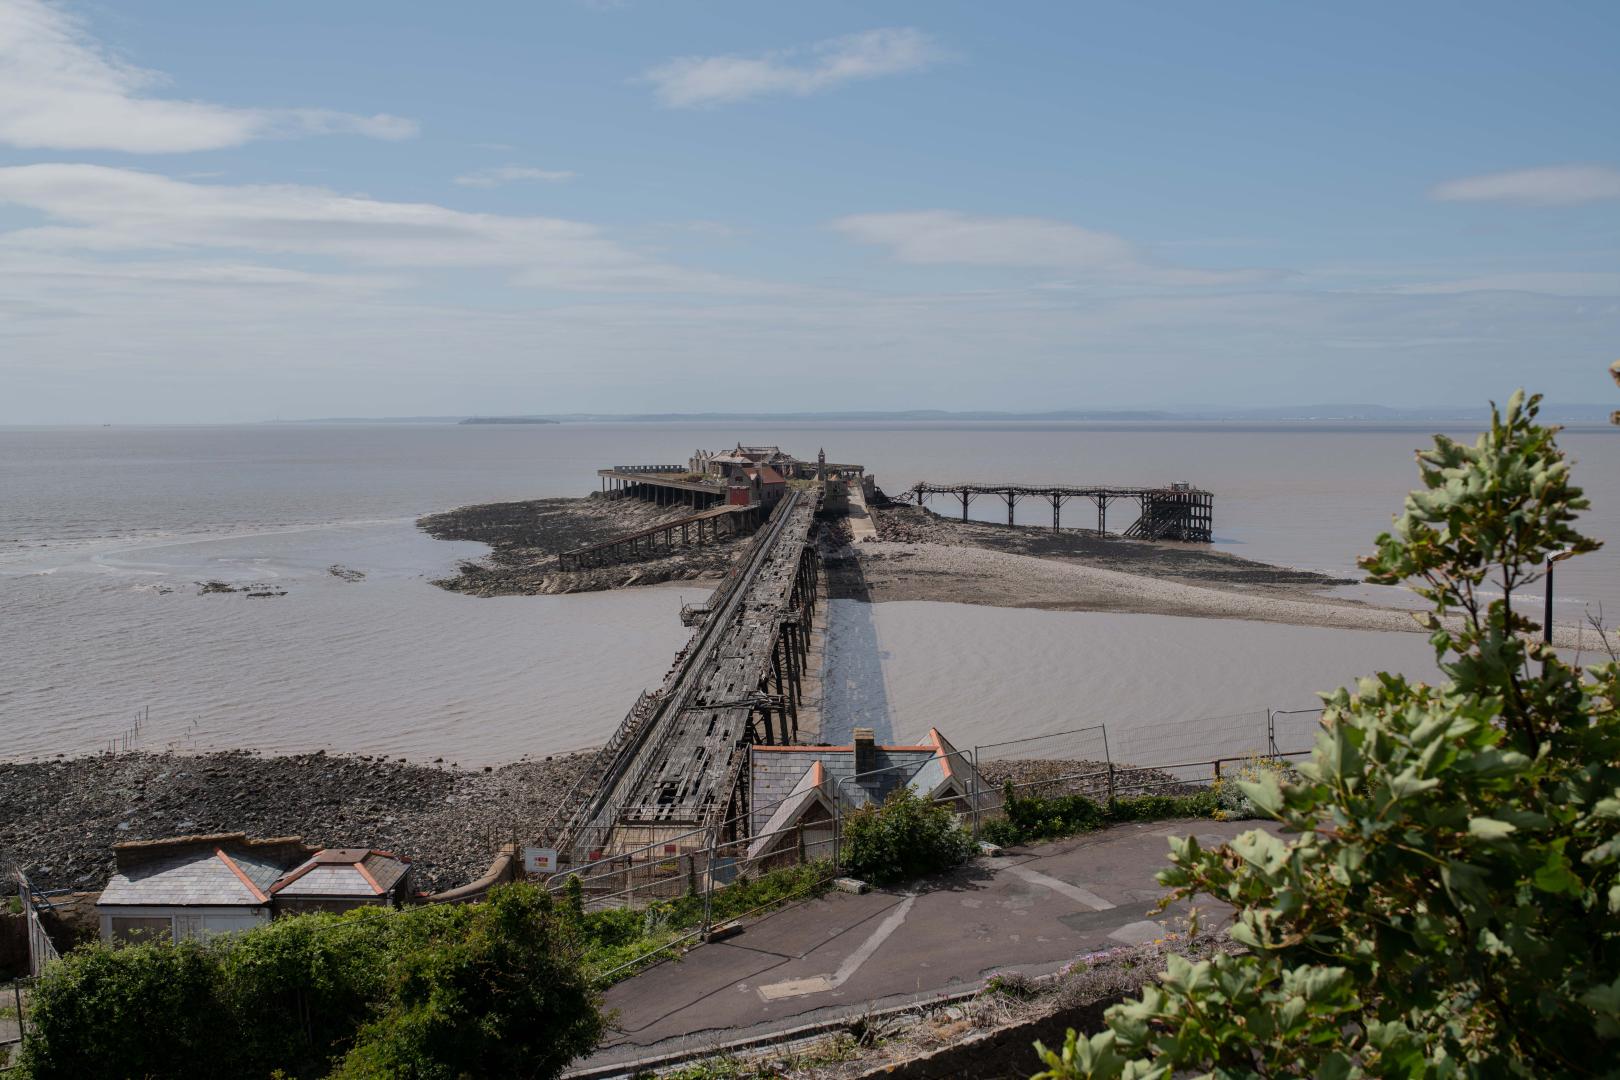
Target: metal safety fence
<point>637,866</point>
<point>15,1002</point>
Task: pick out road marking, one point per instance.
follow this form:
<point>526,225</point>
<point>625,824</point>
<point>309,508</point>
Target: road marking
<point>818,984</point>
<point>1073,892</point>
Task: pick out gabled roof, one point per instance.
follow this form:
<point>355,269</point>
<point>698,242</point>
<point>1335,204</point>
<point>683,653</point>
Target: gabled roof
<point>340,872</point>
<point>199,877</point>
<point>777,777</point>
<point>809,791</point>
<point>768,475</point>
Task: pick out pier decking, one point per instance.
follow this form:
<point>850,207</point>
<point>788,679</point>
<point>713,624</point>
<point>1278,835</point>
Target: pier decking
<point>1171,512</point>
<point>676,761</point>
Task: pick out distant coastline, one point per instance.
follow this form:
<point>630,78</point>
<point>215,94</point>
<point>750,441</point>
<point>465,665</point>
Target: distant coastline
<point>1327,414</point>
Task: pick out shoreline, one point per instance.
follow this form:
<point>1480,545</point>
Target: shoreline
<point>60,817</point>
<point>922,556</point>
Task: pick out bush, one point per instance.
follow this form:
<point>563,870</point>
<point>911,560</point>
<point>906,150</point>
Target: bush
<point>492,1001</point>
<point>138,1011</point>
<point>1449,901</point>
<point>1231,801</point>
<point>907,837</point>
<point>479,989</point>
<point>1030,819</point>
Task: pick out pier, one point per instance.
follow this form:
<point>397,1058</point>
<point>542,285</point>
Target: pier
<point>677,760</point>
<point>706,527</point>
<point>675,775</point>
<point>1171,512</point>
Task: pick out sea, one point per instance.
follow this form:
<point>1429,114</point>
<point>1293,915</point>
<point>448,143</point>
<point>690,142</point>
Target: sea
<point>108,641</point>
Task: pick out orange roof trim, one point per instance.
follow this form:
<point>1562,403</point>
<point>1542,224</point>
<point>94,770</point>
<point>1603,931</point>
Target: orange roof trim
<point>219,852</point>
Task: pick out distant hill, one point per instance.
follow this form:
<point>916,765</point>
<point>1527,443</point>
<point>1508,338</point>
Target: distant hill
<point>1552,412</point>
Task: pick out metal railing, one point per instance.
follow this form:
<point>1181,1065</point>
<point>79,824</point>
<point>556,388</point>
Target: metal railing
<point>698,862</point>
<point>41,950</point>
<point>15,1002</point>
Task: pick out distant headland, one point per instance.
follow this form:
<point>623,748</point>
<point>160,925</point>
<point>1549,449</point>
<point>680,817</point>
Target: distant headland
<point>507,420</point>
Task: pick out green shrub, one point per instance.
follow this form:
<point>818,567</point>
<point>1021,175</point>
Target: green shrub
<point>139,1011</point>
<point>1232,803</point>
<point>433,991</point>
<point>1445,899</point>
<point>1030,819</point>
<point>503,997</point>
<point>907,837</point>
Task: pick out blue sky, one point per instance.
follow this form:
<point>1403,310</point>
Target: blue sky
<point>231,211</point>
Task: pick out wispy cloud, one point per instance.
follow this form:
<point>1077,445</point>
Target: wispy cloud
<point>61,89</point>
<point>948,237</point>
<point>1552,185</point>
<point>692,81</point>
<point>507,174</point>
<point>96,209</point>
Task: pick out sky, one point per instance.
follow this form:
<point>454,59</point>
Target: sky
<point>234,212</point>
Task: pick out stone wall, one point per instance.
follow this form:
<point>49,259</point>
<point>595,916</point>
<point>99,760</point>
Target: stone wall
<point>1004,1054</point>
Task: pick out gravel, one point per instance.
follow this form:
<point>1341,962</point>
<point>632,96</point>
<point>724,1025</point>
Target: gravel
<point>59,819</point>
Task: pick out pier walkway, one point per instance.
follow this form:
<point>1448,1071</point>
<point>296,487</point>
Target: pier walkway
<point>675,764</point>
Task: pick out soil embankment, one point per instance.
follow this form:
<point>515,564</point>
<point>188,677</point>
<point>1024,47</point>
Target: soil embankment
<point>526,537</point>
<point>59,819</point>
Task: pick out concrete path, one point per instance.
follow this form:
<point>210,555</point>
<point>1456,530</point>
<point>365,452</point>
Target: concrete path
<point>1031,911</point>
<point>861,526</point>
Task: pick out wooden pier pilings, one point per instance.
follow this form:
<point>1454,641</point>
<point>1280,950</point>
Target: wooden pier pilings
<point>708,527</point>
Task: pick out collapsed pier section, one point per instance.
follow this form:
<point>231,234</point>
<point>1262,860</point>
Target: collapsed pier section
<point>1171,512</point>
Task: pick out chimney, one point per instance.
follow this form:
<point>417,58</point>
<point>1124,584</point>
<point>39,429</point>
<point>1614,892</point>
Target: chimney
<point>865,751</point>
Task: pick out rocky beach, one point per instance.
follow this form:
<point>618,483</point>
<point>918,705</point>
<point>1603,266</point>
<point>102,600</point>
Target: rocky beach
<point>59,819</point>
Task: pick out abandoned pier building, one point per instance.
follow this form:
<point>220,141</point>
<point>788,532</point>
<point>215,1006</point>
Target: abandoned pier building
<point>745,476</point>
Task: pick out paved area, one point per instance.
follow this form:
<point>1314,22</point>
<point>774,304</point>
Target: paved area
<point>1031,911</point>
<point>862,528</point>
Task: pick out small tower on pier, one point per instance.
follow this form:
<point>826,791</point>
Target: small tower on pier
<point>821,464</point>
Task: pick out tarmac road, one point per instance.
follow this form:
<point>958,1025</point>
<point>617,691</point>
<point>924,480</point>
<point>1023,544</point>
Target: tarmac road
<point>1032,911</point>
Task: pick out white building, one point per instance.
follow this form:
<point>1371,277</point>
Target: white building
<point>192,886</point>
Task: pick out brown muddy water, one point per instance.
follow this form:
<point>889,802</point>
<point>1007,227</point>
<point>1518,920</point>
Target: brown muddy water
<point>105,534</point>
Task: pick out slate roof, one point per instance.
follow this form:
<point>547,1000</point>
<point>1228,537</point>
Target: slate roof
<point>342,872</point>
<point>201,877</point>
<point>779,773</point>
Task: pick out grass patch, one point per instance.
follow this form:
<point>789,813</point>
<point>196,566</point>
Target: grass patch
<point>617,936</point>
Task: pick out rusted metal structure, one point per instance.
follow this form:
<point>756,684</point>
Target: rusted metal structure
<point>677,761</point>
<point>1172,512</point>
<point>707,527</point>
